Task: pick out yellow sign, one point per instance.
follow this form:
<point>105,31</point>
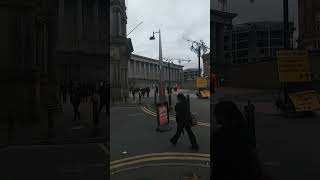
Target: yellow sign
<point>293,66</point>
<point>205,93</point>
<point>305,100</point>
<point>202,82</point>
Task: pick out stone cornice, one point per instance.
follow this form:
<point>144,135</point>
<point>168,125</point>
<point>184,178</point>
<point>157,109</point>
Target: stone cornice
<point>221,17</point>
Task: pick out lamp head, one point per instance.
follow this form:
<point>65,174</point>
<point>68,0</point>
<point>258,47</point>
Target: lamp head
<point>152,37</point>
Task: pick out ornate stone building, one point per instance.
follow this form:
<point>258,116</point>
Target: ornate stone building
<point>144,71</point>
<point>309,24</point>
<point>28,80</point>
<point>120,50</point>
<point>82,51</point>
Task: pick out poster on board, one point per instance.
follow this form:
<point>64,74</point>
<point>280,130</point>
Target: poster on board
<point>163,114</point>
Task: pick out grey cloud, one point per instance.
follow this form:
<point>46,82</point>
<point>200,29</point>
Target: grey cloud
<point>176,18</point>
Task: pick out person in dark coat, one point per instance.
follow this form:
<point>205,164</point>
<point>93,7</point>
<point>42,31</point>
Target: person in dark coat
<point>76,100</point>
<point>233,155</point>
<point>64,93</point>
<point>103,97</point>
<point>148,91</point>
<point>183,118</point>
<point>143,92</point>
<point>133,94</point>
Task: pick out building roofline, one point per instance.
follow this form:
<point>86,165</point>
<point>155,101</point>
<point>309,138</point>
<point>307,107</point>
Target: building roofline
<point>190,69</point>
<point>223,14</point>
<point>139,56</point>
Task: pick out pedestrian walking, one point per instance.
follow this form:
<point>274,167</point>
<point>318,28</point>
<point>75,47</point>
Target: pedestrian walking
<point>234,156</point>
<point>140,95</point>
<point>95,108</point>
<point>143,91</point>
<point>103,97</point>
<point>64,94</point>
<point>184,121</point>
<point>76,100</point>
<point>148,91</point>
<point>133,94</point>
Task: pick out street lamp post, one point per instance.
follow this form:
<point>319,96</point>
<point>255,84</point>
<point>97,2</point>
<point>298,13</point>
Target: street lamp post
<point>161,85</point>
<point>200,46</point>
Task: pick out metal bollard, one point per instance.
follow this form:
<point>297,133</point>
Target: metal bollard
<point>250,116</point>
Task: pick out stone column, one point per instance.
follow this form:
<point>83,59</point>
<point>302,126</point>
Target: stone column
<point>144,70</point>
<point>61,19</point>
<point>220,43</point>
<point>129,68</point>
<point>134,69</point>
<point>79,22</point>
<point>96,20</point>
<point>153,71</point>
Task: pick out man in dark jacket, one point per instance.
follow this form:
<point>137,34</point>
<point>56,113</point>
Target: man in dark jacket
<point>104,97</point>
<point>183,118</point>
<point>75,100</point>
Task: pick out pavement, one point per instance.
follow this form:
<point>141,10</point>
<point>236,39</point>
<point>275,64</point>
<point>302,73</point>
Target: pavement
<point>65,130</point>
<point>53,162</point>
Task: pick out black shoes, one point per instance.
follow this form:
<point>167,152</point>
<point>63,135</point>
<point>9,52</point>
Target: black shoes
<point>173,142</point>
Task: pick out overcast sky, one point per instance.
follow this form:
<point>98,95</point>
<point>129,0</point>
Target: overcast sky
<point>191,19</point>
<point>176,19</point>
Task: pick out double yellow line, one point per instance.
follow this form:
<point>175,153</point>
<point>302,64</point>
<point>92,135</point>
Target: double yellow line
<point>177,156</point>
<point>171,118</point>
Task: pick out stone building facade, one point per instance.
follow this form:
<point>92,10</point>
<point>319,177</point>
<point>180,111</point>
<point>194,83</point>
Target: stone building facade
<point>82,48</point>
<point>120,50</point>
<point>28,68</point>
<point>144,71</point>
<point>309,24</point>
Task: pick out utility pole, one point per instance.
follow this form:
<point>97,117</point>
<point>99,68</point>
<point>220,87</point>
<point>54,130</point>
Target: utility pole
<point>286,24</point>
<point>286,42</point>
<point>161,84</point>
<point>199,55</point>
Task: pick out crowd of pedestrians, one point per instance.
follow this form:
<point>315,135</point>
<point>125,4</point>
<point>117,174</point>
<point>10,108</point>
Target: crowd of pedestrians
<point>95,93</point>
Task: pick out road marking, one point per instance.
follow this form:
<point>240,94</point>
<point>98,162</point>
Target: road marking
<point>136,114</point>
<point>172,118</point>
<point>161,164</point>
<point>160,154</point>
<point>190,158</point>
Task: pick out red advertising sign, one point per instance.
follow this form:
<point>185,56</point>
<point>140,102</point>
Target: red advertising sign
<point>163,114</point>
